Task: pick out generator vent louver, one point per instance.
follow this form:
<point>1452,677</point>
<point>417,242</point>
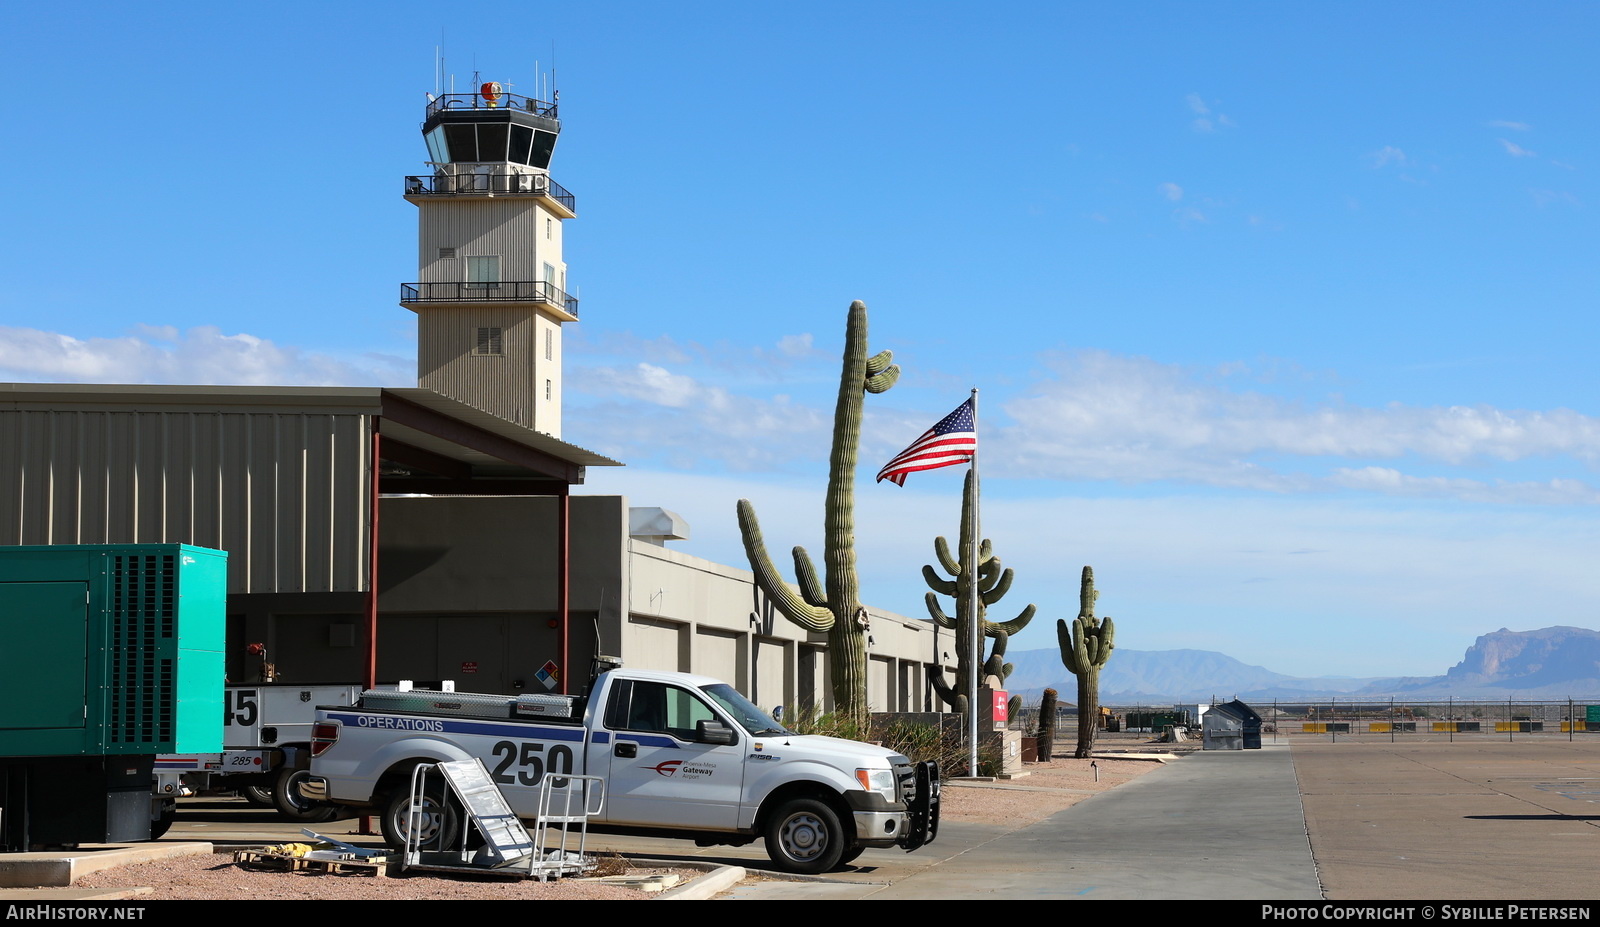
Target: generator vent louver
<point>143,611</point>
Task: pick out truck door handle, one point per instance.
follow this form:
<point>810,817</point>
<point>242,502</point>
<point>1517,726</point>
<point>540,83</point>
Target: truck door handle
<point>626,750</point>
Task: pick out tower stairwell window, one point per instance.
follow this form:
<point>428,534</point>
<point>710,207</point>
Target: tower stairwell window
<point>483,272</point>
<point>488,342</point>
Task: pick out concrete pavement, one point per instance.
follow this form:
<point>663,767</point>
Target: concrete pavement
<point>1220,825</point>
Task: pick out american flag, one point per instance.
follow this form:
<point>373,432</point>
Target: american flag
<point>953,441</point>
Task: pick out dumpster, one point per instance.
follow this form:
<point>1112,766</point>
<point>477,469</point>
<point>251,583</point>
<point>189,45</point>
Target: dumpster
<point>1232,726</point>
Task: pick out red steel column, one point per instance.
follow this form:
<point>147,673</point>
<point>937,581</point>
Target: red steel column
<point>563,594</point>
<point>371,671</point>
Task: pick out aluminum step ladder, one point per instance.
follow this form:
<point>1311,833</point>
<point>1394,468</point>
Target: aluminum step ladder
<point>506,847</point>
<point>505,839</point>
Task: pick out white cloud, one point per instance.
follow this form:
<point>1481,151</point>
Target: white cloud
<point>795,345</point>
<point>1206,120</point>
<point>1171,191</point>
<point>202,356</point>
<point>1391,481</point>
<point>775,363</point>
<point>1513,126</point>
<point>1386,155</point>
<point>1099,416</point>
<point>1133,419</point>
<point>1549,197</point>
<point>1515,150</point>
<point>647,411</point>
<point>1421,577</point>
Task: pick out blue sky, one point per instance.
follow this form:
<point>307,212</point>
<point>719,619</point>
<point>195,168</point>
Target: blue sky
<point>1282,315</point>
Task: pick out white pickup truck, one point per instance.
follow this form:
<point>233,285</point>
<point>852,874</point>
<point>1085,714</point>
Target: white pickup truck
<point>681,755</point>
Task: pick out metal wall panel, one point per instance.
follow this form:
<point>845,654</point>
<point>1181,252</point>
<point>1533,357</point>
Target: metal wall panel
<point>511,227</point>
<point>502,384</point>
<point>282,492</point>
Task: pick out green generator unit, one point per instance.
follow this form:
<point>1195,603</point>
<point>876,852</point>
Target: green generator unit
<point>109,655</point>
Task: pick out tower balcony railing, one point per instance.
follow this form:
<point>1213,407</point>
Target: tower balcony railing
<point>504,291</point>
<point>446,101</point>
<point>491,184</point>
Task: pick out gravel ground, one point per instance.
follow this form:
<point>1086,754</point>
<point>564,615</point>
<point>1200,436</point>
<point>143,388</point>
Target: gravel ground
<point>1047,789</point>
<point>217,877</point>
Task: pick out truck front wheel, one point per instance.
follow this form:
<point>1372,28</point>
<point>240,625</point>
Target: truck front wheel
<point>804,835</point>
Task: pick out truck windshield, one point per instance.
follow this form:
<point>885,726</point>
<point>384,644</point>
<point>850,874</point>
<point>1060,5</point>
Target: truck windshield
<point>750,717</point>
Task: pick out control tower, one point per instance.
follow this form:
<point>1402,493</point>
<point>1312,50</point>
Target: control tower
<point>491,295</point>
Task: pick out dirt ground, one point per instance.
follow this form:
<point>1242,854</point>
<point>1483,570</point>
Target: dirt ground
<point>1047,789</point>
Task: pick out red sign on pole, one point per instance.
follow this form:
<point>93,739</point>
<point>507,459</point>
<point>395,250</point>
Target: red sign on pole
<point>1002,706</point>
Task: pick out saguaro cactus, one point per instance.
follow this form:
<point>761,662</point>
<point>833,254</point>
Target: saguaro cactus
<point>976,574</point>
<point>1085,647</point>
<point>1047,726</point>
<point>836,608</point>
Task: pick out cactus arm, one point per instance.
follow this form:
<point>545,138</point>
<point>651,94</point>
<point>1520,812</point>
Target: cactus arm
<point>937,613</point>
<point>1010,627</point>
<point>941,586</point>
<point>806,575</point>
<point>1108,633</point>
<point>879,362</point>
<point>989,574</point>
<point>1001,587</point>
<point>880,383</point>
<point>948,695</point>
<point>793,607</point>
<point>1069,649</point>
<point>941,547</point>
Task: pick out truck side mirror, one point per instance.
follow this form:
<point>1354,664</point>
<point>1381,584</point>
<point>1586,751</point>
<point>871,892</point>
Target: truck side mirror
<point>714,732</point>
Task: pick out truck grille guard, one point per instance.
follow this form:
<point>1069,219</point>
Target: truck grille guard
<point>919,791</point>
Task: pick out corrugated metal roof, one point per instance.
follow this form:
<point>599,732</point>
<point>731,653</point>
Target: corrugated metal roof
<point>360,400</point>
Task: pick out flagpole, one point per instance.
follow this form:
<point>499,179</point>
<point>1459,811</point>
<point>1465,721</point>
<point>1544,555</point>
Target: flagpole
<point>975,632</point>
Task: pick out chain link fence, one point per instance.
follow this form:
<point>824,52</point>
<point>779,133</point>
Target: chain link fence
<point>1393,719</point>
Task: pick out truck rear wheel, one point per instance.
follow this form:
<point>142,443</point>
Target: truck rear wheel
<point>804,835</point>
<point>258,795</point>
<point>439,825</point>
<point>291,804</point>
<point>163,821</point>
